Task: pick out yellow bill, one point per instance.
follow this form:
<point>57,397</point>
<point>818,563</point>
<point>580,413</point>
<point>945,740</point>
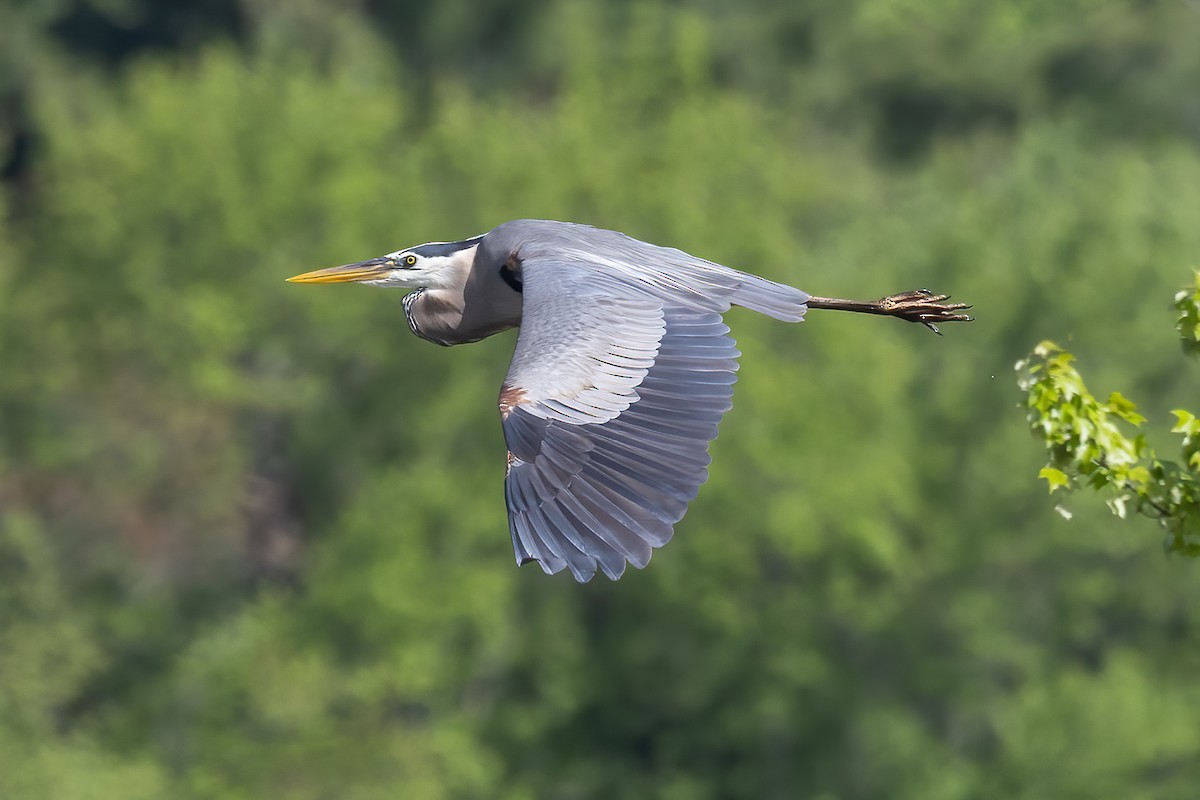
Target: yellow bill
<point>370,270</point>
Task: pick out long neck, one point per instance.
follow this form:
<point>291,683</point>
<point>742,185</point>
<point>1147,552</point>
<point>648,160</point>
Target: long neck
<point>475,304</point>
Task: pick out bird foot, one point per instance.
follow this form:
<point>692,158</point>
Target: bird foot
<point>925,307</point>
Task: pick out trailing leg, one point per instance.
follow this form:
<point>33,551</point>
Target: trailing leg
<point>919,305</point>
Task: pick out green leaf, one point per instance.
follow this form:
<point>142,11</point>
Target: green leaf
<point>1138,474</point>
<point>1124,408</point>
<point>1187,303</point>
<point>1117,506</point>
<point>1056,478</point>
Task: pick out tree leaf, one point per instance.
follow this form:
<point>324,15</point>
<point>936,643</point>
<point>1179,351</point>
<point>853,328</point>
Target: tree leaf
<point>1056,478</point>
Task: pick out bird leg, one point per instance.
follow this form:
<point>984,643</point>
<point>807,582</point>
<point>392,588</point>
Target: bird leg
<point>919,305</point>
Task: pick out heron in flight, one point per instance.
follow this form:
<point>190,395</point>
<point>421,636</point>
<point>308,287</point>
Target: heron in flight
<point>623,368</point>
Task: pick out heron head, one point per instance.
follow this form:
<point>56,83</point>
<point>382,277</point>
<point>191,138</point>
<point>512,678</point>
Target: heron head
<point>433,265</point>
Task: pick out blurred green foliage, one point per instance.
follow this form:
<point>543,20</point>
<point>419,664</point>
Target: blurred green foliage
<point>252,535</point>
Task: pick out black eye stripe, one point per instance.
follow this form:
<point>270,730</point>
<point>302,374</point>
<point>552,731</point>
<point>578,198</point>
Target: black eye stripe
<point>434,249</point>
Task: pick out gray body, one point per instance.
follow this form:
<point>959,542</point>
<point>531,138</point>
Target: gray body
<point>623,369</point>
<point>481,302</point>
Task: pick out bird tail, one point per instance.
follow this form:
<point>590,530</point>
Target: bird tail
<point>776,300</point>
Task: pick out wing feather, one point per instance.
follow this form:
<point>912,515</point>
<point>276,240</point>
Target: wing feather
<point>612,399</point>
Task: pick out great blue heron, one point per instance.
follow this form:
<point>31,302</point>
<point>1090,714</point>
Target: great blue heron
<point>623,368</point>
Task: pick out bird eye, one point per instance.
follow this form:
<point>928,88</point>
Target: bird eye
<point>410,260</point>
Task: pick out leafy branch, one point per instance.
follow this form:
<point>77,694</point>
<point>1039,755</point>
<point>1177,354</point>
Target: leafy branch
<point>1088,445</point>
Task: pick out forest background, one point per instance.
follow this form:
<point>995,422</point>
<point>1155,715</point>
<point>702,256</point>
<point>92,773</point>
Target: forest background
<point>252,537</point>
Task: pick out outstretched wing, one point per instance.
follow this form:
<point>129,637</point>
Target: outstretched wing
<point>610,403</point>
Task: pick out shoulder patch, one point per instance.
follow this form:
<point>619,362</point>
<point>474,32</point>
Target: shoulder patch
<point>510,272</point>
